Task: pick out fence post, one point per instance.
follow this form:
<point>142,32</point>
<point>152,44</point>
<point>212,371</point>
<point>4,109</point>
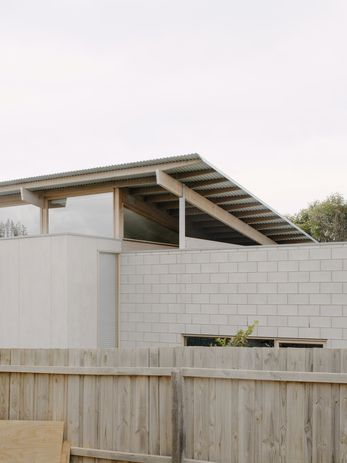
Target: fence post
<point>178,437</point>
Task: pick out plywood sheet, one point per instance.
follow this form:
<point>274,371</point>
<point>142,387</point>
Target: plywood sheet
<point>31,441</point>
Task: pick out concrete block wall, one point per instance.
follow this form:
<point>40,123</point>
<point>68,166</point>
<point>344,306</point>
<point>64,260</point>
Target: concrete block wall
<point>297,291</point>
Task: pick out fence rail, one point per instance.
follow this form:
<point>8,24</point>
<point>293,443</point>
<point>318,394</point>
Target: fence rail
<point>215,373</point>
<point>185,404</point>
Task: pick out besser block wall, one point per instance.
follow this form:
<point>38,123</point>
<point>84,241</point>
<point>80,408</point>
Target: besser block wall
<point>297,291</point>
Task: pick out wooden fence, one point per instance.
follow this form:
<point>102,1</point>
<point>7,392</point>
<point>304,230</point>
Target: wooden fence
<point>243,405</point>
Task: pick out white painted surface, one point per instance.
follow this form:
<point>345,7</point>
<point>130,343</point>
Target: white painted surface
<point>297,291</point>
<point>49,290</point>
<point>130,245</point>
<point>197,243</point>
<point>107,301</point>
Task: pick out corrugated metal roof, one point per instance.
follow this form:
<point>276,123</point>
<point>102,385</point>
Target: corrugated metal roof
<point>193,171</point>
<point>94,170</point>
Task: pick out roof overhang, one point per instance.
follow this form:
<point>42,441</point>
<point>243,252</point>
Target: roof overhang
<point>219,206</point>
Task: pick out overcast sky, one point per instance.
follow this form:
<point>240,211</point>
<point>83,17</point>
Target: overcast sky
<point>258,88</point>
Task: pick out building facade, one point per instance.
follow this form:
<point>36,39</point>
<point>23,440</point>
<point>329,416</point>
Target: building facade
<point>169,251</point>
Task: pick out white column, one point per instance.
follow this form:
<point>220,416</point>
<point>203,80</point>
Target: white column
<point>182,221</point>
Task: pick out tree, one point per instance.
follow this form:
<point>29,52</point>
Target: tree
<point>324,220</point>
<point>9,229</point>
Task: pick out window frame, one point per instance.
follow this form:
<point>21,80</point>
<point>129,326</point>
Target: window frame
<point>276,340</point>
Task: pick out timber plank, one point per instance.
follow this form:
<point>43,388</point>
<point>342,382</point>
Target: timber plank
<point>31,441</point>
<point>5,359</point>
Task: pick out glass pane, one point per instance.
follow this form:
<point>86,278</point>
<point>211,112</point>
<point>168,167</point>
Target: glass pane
<point>209,341</point>
<point>19,220</point>
<point>107,301</point>
<point>137,227</point>
<point>299,345</point>
<point>89,215</point>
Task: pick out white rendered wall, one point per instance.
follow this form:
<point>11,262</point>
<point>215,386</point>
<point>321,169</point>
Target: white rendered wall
<point>297,291</point>
<point>197,243</point>
<point>49,290</point>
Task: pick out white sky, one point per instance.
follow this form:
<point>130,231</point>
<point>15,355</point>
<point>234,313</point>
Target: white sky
<point>256,87</point>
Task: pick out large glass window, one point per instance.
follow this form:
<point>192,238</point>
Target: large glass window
<point>19,220</point>
<point>137,227</point>
<point>88,215</point>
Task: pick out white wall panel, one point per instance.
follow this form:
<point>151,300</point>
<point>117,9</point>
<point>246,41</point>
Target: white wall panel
<point>9,294</point>
<point>49,290</point>
<point>107,300</point>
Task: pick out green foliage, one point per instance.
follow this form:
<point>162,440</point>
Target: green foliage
<point>324,220</point>
<point>240,339</point>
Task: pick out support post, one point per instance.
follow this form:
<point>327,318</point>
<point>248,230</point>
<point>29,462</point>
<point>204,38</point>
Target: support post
<point>178,438</point>
<point>182,221</point>
<point>44,218</point>
<point>118,214</point>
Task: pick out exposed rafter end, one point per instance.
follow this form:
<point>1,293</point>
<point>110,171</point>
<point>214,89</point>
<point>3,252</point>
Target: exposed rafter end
<point>29,197</point>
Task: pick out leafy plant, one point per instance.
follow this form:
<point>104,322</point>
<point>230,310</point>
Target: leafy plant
<point>240,339</point>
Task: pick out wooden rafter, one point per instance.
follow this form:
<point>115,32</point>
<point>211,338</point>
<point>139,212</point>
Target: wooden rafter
<point>190,174</point>
<point>216,191</point>
<point>279,231</point>
<point>228,208</point>
<point>151,212</point>
<point>235,207</point>
<point>285,237</point>
<point>154,189</point>
<point>256,220</point>
<point>251,213</point>
<point>204,204</point>
<point>164,197</point>
<point>272,226</point>
<point>295,241</point>
<point>208,182</point>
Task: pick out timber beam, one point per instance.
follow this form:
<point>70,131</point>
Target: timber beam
<point>150,211</point>
<point>29,197</point>
<point>85,178</point>
<point>10,200</point>
<point>207,206</point>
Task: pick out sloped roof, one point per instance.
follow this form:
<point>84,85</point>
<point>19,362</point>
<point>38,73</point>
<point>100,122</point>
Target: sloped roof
<point>193,171</point>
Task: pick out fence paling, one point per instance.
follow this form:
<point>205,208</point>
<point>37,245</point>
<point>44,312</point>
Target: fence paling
<point>241,405</point>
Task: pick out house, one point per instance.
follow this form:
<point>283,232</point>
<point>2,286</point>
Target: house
<point>162,252</point>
